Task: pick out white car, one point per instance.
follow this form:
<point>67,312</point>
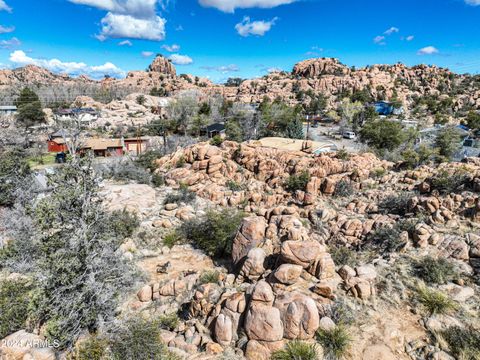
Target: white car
<point>349,135</point>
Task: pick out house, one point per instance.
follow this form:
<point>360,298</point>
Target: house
<point>387,108</point>
<point>213,130</point>
<point>85,115</point>
<point>8,110</point>
<point>136,146</point>
<point>102,147</point>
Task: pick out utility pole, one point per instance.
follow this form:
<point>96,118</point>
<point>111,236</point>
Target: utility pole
<point>308,127</point>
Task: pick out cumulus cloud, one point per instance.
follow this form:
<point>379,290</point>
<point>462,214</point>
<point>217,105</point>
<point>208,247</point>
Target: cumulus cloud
<point>125,43</point>
<point>178,59</point>
<point>136,8</point>
<point>473,2</point>
<point>380,40</point>
<point>147,54</point>
<point>410,38</point>
<point>391,31</point>
<point>134,19</point>
<point>230,5</point>
<point>20,58</point>
<point>258,28</point>
<point>4,6</point>
<point>6,29</point>
<point>126,26</point>
<point>171,48</point>
<point>8,44</point>
<point>222,69</point>
<point>428,50</point>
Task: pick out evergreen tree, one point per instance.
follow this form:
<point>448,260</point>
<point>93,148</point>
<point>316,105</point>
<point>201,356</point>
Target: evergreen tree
<point>29,107</point>
<point>294,129</point>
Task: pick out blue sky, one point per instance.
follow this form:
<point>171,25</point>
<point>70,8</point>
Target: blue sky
<point>230,38</point>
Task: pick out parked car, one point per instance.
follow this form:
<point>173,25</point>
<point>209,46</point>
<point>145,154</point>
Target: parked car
<point>349,135</point>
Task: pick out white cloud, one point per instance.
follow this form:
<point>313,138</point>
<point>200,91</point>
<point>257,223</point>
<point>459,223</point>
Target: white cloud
<point>20,58</point>
<point>125,43</point>
<point>5,7</point>
<point>8,44</point>
<point>230,5</point>
<point>126,26</point>
<point>428,50</point>
<point>171,48</point>
<point>147,53</point>
<point>391,31</point>
<point>6,29</point>
<point>178,59</point>
<point>134,19</point>
<point>136,8</point>
<point>410,38</point>
<point>223,69</point>
<point>473,2</point>
<point>258,28</point>
<point>380,40</point>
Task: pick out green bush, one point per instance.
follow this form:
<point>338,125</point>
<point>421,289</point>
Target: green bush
<point>386,239</point>
<point>14,301</point>
<point>296,350</point>
<point>297,182</point>
<point>464,343</point>
<point>184,195</point>
<point>209,277</point>
<point>435,271</point>
<point>344,189</point>
<point>435,302</point>
<point>122,223</point>
<point>180,162</point>
<point>234,186</point>
<point>93,348</point>
<point>213,233</point>
<point>344,256</point>
<point>343,154</point>
<point>158,180</point>
<point>147,159</point>
<point>335,342</point>
<point>447,183</point>
<point>171,239</point>
<point>396,204</point>
<point>138,339</point>
<point>13,167</point>
<point>217,140</point>
<point>168,321</point>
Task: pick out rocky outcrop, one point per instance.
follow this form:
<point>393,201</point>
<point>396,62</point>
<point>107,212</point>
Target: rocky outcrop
<point>163,66</point>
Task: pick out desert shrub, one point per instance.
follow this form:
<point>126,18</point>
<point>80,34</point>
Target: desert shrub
<point>387,238</point>
<point>180,162</point>
<point>13,167</point>
<point>296,350</point>
<point>234,186</point>
<point>184,195</point>
<point>378,173</point>
<point>335,342</point>
<point>297,182</point>
<point>138,339</point>
<point>14,301</point>
<point>217,140</point>
<point>435,302</point>
<point>343,154</point>
<point>122,223</point>
<point>464,343</point>
<point>447,183</point>
<point>341,313</point>
<point>171,239</point>
<point>344,189</point>
<point>396,204</point>
<point>342,255</point>
<point>168,321</point>
<point>158,180</point>
<point>93,348</point>
<point>126,170</point>
<point>209,277</point>
<point>214,232</point>
<point>435,271</point>
<point>147,159</point>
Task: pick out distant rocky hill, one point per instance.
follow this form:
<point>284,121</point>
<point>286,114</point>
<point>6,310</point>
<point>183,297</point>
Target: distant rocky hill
<point>307,79</point>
